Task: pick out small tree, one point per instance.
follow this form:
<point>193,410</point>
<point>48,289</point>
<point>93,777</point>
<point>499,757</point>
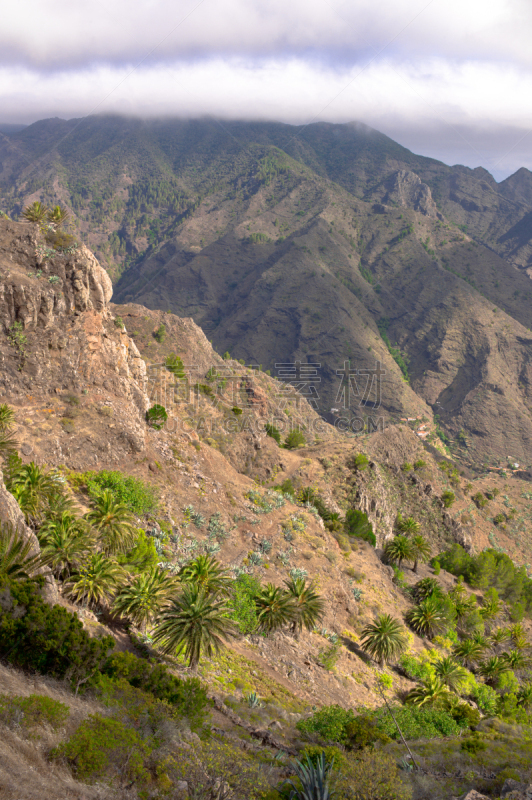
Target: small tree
<point>419,550</point>
<point>207,574</point>
<point>156,416</point>
<point>308,605</point>
<point>397,549</point>
<point>113,521</point>
<point>294,440</point>
<point>144,596</point>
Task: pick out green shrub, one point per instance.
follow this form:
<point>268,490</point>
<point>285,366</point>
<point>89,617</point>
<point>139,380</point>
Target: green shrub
<point>370,775</point>
<point>142,556</point>
<point>187,696</point>
<point>358,525</point>
<point>236,411</point>
<point>160,333</point>
<point>33,710</point>
<point>175,365</point>
<point>134,493</point>
<point>448,498</point>
<point>329,656</point>
<point>407,466</point>
<point>436,567</point>
<point>359,462</point>
<point>243,610</point>
<point>363,731</point>
<point>499,519</point>
<point>119,323</point>
<point>46,639</point>
<point>486,699</point>
<point>274,432</point>
<point>419,464</point>
<point>418,722</point>
<point>102,745</point>
<point>329,722</point>
<point>156,416</point>
<point>473,745</point>
<point>479,500</point>
<point>294,440</point>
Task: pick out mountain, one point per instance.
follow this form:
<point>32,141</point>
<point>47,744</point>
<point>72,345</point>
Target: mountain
<point>80,375</point>
<point>327,245</point>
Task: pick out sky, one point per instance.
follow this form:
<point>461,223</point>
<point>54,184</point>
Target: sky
<point>451,79</point>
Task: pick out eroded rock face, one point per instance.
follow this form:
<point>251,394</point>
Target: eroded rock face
<point>11,514</point>
<point>407,190</point>
<point>57,333</point>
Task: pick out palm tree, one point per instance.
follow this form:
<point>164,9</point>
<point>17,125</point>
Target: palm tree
<point>58,216</point>
<point>516,660</point>
<point>65,544</point>
<point>16,561</point>
<point>450,673</point>
<point>308,605</point>
<point>193,622</point>
<point>32,487</point>
<point>208,574</point>
<point>144,596</point>
<point>36,212</point>
<point>492,669</point>
<point>397,549</point>
<point>469,653</point>
<point>7,417</point>
<point>275,608</point>
<point>524,696</point>
<point>518,636</point>
<point>429,618</point>
<point>468,619</point>
<point>384,639</point>
<point>420,550</point>
<point>491,607</point>
<point>499,637</point>
<point>408,525</point>
<point>427,587</point>
<point>432,691</point>
<point>97,580</point>
<point>113,521</point>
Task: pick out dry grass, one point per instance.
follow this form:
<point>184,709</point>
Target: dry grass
<point>25,772</point>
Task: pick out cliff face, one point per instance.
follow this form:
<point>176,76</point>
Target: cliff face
<point>60,335</point>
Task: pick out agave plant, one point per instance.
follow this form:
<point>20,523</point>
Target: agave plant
<point>253,700</point>
<point>314,779</point>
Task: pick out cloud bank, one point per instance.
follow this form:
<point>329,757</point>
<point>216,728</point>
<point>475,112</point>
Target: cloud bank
<point>449,79</point>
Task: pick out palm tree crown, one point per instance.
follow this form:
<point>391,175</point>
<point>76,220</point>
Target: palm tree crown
<point>275,608</point>
<point>206,573</point>
<point>420,550</point>
<point>429,618</point>
<point>113,521</point>
<point>144,596</point>
<point>97,580</point>
<point>398,549</point>
<point>308,605</point>
<point>193,622</point>
<point>16,561</point>
<point>384,639</point>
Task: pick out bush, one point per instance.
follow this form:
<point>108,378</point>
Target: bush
<point>362,732</point>
<point>134,493</point>
<point>448,498</point>
<point>33,710</point>
<point>294,440</point>
<point>486,699</point>
<point>473,745</point>
<point>479,500</point>
<point>419,464</point>
<point>358,525</point>
<point>330,723</point>
<point>119,323</point>
<point>187,696</point>
<point>274,432</point>
<point>175,365</point>
<point>44,638</point>
<point>102,745</point>
<point>236,411</point>
<point>359,462</point>
<point>418,722</point>
<point>371,775</point>
<point>243,610</point>
<point>156,416</point>
<point>160,333</point>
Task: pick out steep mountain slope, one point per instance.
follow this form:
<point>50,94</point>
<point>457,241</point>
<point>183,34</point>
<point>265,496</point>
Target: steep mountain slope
<point>329,245</point>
